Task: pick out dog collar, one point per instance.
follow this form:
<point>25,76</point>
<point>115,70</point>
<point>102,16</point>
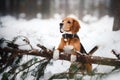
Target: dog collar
<point>66,36</point>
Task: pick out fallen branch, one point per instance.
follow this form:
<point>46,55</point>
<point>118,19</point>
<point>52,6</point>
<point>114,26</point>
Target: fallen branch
<point>80,58</point>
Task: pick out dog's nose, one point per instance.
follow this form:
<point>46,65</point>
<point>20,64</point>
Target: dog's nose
<point>61,24</point>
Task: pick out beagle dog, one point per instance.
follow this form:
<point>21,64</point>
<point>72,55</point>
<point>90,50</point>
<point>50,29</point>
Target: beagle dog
<point>70,42</point>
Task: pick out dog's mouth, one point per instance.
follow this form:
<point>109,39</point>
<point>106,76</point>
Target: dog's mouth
<point>62,29</point>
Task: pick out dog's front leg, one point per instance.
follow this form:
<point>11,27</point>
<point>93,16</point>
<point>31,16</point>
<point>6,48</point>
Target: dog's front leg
<point>56,54</point>
<point>73,58</point>
<point>69,49</point>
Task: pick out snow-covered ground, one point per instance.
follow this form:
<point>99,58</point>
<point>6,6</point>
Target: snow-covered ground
<point>46,32</point>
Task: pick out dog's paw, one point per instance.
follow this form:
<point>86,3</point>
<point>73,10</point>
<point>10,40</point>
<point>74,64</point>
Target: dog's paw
<point>56,54</point>
<point>73,58</point>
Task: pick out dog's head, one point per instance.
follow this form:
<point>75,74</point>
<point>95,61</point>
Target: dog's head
<point>69,25</point>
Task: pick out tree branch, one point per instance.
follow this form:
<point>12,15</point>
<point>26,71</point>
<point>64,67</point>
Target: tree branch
<point>80,58</point>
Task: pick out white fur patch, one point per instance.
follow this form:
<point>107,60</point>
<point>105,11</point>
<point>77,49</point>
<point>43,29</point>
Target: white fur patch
<point>68,49</point>
<point>62,30</point>
<point>67,32</point>
<point>73,58</point>
<point>56,55</point>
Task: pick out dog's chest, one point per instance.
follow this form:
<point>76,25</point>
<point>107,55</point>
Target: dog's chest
<point>68,47</point>
<point>69,40</point>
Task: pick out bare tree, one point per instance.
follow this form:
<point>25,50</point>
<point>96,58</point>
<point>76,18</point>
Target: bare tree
<point>45,8</point>
<point>2,7</point>
<point>115,10</point>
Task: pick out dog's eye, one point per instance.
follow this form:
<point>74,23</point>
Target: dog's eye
<point>69,22</point>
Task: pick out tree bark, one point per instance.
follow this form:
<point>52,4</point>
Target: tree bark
<point>115,11</point>
<point>45,9</point>
<point>116,25</point>
<point>80,58</point>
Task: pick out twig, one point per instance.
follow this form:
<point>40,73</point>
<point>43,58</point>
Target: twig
<point>93,50</point>
<point>26,40</point>
<point>117,55</point>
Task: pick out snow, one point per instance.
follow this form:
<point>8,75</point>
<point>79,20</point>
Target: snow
<point>46,32</point>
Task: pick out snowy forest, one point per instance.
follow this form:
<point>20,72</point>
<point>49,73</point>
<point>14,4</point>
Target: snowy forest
<point>29,35</point>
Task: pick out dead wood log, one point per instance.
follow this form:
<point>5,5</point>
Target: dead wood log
<point>80,58</point>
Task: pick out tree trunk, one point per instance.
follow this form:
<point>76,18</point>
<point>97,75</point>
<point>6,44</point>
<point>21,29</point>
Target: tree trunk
<point>115,11</point>
<point>116,25</point>
<point>2,7</point>
<point>45,9</point>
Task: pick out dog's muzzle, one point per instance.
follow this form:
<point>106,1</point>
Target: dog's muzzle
<point>61,27</point>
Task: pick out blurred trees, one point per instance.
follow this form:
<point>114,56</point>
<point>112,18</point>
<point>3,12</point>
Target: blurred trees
<point>9,7</point>
<point>47,8</point>
<point>115,11</point>
<point>2,6</point>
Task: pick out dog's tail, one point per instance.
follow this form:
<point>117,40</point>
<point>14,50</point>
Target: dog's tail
<point>82,49</point>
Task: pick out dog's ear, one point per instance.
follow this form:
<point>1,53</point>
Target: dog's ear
<point>76,26</point>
